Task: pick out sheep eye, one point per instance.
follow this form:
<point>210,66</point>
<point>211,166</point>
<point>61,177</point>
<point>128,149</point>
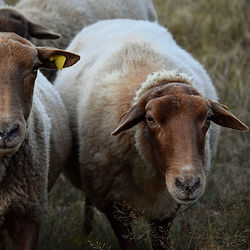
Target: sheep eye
<point>150,119</point>
<point>15,17</point>
<point>35,68</point>
<point>209,118</point>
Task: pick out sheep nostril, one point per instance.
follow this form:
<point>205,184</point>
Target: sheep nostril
<point>2,135</point>
<point>12,133</point>
<point>196,184</point>
<point>188,185</point>
<point>179,183</point>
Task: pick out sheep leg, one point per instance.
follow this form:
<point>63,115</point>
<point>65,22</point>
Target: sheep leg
<point>2,241</point>
<point>160,232</point>
<point>88,217</point>
<point>121,227</point>
<point>2,244</point>
<point>24,234</point>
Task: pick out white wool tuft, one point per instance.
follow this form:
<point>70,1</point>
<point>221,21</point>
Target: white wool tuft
<point>160,78</point>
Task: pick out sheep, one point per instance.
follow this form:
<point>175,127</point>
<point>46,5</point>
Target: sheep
<point>36,20</point>
<point>35,138</point>
<point>161,108</point>
<point>41,19</point>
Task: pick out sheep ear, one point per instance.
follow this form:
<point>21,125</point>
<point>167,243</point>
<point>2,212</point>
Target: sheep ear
<point>12,20</point>
<point>38,31</point>
<point>223,117</point>
<point>52,58</point>
<point>131,118</point>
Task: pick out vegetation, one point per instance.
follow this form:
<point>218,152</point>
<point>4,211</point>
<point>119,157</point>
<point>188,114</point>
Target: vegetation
<point>217,33</point>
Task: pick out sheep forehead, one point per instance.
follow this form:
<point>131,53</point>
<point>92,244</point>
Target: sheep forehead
<point>13,21</point>
<point>9,12</point>
<point>15,47</point>
<point>12,37</point>
<point>178,103</point>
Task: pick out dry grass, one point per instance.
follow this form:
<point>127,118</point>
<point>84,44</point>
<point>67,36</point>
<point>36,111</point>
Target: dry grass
<point>11,2</point>
<point>217,33</point>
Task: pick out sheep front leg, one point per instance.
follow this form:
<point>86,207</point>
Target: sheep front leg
<point>24,234</point>
<point>88,217</point>
<point>160,231</point>
<point>2,241</point>
<point>159,234</point>
<point>121,227</point>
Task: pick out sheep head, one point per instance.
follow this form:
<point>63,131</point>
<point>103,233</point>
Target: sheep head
<point>13,21</point>
<point>20,61</point>
<point>173,123</point>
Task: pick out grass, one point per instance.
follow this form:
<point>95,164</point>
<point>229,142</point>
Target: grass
<point>217,33</point>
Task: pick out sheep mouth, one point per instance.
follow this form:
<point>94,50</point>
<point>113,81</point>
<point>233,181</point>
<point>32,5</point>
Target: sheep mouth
<point>185,200</point>
<point>8,150</point>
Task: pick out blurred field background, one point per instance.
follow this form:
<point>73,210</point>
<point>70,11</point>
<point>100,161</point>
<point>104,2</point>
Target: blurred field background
<point>217,33</point>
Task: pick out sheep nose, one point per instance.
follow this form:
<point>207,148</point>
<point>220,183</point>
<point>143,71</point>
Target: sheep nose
<point>9,134</point>
<point>187,184</point>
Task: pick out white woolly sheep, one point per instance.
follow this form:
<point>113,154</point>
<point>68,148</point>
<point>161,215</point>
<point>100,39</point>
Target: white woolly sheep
<point>36,19</point>
<point>35,139</point>
<point>159,101</point>
<point>40,19</point>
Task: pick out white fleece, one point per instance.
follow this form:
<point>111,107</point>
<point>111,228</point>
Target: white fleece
<point>68,17</point>
<point>118,59</point>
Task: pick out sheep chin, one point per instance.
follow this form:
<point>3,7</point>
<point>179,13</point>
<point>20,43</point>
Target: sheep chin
<point>9,151</point>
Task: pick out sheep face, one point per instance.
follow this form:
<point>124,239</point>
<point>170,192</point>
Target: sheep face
<point>172,136</point>
<point>13,21</point>
<point>20,61</point>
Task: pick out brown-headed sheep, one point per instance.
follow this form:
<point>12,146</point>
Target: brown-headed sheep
<point>35,139</point>
<point>161,108</point>
<point>41,19</point>
<point>36,19</point>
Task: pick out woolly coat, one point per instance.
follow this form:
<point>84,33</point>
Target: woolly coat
<point>68,17</point>
<point>27,175</point>
<point>119,57</point>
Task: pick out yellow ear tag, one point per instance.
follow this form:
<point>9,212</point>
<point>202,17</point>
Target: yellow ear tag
<point>226,107</point>
<point>59,61</point>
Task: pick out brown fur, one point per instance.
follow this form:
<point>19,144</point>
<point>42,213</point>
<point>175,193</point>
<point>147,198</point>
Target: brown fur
<point>173,135</point>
